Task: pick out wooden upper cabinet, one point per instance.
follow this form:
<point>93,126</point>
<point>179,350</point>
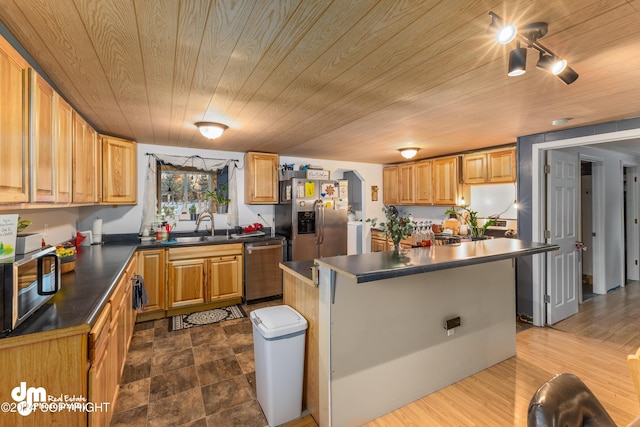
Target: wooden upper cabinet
<point>43,169</point>
<point>14,143</point>
<point>501,165</point>
<point>64,151</point>
<point>424,182</point>
<point>261,178</point>
<point>407,183</point>
<point>390,185</point>
<point>84,161</point>
<point>119,177</point>
<point>474,168</point>
<point>445,181</point>
<point>490,166</point>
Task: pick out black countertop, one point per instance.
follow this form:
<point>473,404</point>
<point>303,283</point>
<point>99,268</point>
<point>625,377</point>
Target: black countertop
<point>385,265</point>
<point>85,290</point>
<point>302,268</point>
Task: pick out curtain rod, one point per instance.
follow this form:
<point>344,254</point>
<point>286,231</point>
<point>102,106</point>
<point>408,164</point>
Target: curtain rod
<point>190,157</point>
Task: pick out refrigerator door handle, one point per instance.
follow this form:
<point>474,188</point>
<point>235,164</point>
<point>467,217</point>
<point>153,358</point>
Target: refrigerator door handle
<point>321,223</point>
<point>316,208</point>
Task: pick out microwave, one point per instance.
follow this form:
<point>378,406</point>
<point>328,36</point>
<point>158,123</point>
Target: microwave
<point>27,283</point>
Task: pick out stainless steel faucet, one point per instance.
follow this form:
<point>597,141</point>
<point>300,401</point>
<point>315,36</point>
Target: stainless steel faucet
<point>204,215</point>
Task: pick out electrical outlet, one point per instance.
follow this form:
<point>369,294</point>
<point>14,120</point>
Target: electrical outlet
<point>450,332</point>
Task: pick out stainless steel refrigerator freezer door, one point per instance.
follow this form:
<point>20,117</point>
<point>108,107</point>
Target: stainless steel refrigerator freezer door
<point>303,247</point>
<point>334,232</point>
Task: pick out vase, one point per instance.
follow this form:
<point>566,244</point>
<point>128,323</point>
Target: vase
<point>477,231</point>
<point>221,209</point>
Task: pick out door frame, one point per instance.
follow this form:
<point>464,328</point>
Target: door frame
<point>631,229</point>
<point>538,207</point>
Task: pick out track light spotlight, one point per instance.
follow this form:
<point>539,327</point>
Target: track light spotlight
<point>557,67</point>
<point>529,35</point>
<point>502,33</point>
<point>517,61</point>
<point>568,75</point>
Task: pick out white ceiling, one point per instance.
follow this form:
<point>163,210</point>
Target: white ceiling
<point>344,80</point>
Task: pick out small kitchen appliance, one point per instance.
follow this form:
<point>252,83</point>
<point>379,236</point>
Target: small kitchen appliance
<point>26,284</point>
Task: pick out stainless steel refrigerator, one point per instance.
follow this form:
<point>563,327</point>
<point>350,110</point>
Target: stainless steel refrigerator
<point>312,214</point>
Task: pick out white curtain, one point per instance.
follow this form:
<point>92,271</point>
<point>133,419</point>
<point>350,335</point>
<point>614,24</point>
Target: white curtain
<point>150,200</point>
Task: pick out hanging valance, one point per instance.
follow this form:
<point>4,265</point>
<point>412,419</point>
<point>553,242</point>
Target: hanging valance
<point>150,201</point>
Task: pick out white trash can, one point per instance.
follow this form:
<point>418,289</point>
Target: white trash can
<point>278,346</point>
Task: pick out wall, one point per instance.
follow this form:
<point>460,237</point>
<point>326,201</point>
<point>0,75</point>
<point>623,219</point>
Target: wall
<point>126,219</point>
<point>57,225</point>
<point>526,176</point>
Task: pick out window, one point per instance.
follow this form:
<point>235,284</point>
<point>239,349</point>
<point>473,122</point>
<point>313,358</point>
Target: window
<point>182,191</point>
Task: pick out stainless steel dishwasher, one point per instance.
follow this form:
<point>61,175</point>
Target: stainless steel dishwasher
<point>262,273</point>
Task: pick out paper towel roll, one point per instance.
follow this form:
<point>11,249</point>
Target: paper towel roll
<point>97,230</point>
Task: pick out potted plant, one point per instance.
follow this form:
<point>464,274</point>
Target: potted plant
<point>192,212</point>
<point>220,199</point>
<point>396,227</point>
<point>471,217</point>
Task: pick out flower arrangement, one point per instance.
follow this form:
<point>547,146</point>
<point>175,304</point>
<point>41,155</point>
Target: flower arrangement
<point>396,227</point>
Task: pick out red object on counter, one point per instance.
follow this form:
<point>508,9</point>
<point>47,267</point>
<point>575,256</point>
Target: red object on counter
<point>255,227</point>
<point>79,239</point>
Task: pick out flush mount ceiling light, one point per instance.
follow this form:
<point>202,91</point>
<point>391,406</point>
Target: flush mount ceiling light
<point>211,130</point>
<point>529,35</point>
<point>409,153</point>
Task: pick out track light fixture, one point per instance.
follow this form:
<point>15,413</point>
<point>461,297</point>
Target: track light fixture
<point>529,35</point>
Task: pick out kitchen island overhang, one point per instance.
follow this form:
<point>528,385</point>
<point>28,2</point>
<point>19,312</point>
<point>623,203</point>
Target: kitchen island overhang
<point>382,340</point>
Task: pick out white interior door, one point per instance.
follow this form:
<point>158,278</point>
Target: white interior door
<point>563,266</point>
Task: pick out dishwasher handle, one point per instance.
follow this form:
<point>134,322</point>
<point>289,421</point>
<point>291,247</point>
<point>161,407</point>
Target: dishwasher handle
<point>263,246</point>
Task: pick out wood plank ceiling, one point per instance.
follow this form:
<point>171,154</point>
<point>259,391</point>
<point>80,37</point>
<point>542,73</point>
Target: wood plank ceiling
<point>345,80</point>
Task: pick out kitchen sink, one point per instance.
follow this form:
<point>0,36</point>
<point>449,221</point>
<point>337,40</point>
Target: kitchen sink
<point>197,239</point>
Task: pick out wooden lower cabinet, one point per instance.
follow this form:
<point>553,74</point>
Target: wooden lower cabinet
<point>225,277</point>
<point>109,341</point>
<point>186,278</point>
<point>204,274</point>
<point>378,241</point>
<point>152,266</point>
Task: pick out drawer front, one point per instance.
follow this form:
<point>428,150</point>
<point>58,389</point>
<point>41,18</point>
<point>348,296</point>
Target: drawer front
<point>205,251</point>
<point>99,334</point>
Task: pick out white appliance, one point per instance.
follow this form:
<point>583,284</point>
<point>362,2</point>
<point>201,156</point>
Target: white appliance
<point>354,237</point>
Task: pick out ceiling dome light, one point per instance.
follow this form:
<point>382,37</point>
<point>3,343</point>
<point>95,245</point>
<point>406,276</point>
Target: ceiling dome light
<point>517,61</point>
<point>409,153</point>
<point>211,130</point>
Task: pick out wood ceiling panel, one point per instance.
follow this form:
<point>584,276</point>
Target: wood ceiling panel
<point>328,79</point>
<point>192,22</point>
<point>224,27</point>
<point>47,37</point>
<point>381,22</point>
<point>113,31</point>
<point>158,22</point>
<point>263,26</point>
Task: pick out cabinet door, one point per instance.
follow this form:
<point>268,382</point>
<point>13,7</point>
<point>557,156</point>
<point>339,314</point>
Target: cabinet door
<point>100,380</point>
<point>64,151</point>
<point>225,277</point>
<point>502,165</point>
<point>378,245</point>
<point>42,139</point>
<point>390,181</point>
<point>186,282</point>
<point>407,179</point>
<point>14,155</point>
<point>261,178</point>
<point>83,161</point>
<point>151,266</point>
<point>445,177</point>
<point>475,168</point>
<point>119,184</point>
<point>424,185</point>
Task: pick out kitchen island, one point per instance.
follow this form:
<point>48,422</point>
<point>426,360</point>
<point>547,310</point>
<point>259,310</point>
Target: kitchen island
<point>381,317</point>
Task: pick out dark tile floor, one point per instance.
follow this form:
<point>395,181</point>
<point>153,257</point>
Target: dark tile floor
<point>198,377</point>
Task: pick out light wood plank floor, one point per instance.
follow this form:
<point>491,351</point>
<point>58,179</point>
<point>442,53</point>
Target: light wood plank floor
<point>592,345</point>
